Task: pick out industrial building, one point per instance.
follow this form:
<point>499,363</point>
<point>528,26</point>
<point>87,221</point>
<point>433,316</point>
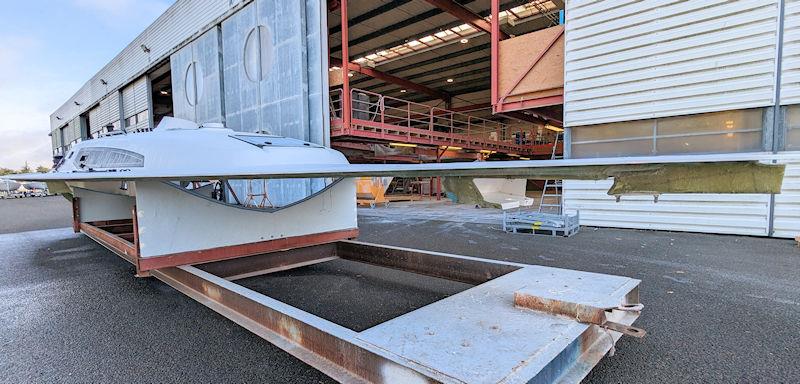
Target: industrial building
<point>440,80</point>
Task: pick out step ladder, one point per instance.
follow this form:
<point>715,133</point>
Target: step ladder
<point>551,200</point>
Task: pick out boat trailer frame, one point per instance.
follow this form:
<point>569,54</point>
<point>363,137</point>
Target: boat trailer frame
<point>373,355</point>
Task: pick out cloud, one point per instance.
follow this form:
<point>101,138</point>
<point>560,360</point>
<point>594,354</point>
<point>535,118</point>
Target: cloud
<point>27,96</point>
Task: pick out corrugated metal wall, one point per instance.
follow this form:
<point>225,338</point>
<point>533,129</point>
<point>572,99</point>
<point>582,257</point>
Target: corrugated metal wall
<point>55,141</point>
<point>643,59</point>
<point>787,203</point>
<point>710,213</point>
<point>106,112</point>
<point>632,60</point>
<point>743,214</point>
<point>790,76</point>
<point>135,100</point>
<point>182,21</point>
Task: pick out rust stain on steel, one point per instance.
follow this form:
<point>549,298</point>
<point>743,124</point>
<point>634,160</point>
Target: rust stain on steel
<point>249,266</point>
<point>116,244</point>
<point>305,336</point>
<point>580,312</point>
<point>242,250</point>
<point>450,267</point>
<point>76,215</point>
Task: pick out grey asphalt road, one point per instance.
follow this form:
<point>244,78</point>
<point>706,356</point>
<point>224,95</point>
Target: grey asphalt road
<point>719,309</point>
<point>28,214</point>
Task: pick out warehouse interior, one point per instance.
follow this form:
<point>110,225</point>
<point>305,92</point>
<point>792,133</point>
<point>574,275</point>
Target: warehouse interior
<point>428,65</point>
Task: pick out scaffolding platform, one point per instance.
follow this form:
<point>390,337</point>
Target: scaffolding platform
<point>538,223</point>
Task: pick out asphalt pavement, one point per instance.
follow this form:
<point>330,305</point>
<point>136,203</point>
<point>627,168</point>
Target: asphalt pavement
<point>32,213</point>
<point>718,309</point>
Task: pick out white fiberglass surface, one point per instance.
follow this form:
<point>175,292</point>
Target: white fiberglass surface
<point>188,148</point>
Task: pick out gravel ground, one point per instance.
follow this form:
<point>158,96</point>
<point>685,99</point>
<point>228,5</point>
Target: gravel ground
<point>719,309</point>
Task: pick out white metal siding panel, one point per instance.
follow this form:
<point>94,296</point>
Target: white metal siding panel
<point>177,25</point>
<point>109,109</point>
<point>94,119</point>
<point>745,214</point>
<point>629,60</point>
<point>790,75</point>
<point>787,203</point>
<point>134,97</point>
<point>73,131</point>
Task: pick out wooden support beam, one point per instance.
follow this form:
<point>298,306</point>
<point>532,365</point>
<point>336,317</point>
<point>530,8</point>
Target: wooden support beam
<point>464,14</point>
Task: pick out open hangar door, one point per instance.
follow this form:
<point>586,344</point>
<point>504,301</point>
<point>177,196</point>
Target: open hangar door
<point>161,93</point>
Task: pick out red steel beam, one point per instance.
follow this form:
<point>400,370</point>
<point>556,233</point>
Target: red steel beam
<point>464,14</point>
<point>391,79</point>
<point>242,250</point>
<point>495,53</point>
<point>346,111</point>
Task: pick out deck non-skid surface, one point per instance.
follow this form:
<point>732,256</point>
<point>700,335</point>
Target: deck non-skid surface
<point>718,309</point>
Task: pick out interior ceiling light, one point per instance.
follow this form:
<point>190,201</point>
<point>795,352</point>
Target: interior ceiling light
<point>450,80</point>
<point>460,33</point>
<point>165,93</point>
<point>402,91</point>
<point>403,145</point>
<point>450,148</point>
<point>350,74</point>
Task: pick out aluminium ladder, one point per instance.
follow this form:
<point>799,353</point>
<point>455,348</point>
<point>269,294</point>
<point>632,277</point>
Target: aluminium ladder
<point>552,190</point>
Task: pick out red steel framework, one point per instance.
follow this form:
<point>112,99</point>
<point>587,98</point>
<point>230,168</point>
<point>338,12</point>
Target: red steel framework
<point>386,119</point>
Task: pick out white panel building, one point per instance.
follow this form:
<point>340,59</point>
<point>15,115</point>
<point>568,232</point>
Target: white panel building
<point>176,67</point>
<point>658,77</point>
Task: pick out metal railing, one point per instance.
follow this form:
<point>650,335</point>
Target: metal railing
<point>384,117</point>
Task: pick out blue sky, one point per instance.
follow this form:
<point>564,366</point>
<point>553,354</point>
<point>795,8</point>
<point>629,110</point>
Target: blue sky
<point>48,49</point>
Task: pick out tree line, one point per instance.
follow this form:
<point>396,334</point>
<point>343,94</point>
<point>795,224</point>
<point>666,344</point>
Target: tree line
<point>25,169</point>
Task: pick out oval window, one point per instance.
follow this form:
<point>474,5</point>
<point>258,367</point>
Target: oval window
<point>258,53</point>
<point>193,83</point>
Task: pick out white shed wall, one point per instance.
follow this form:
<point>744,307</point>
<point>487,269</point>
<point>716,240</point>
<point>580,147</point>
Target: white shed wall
<point>787,203</point>
<point>743,214</point>
<point>709,213</point>
<point>628,60</point>
<point>790,74</point>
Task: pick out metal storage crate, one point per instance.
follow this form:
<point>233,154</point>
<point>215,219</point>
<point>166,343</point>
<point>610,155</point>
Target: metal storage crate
<point>537,223</point>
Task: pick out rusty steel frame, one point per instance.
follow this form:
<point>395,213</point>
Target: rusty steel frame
<point>340,352</point>
<point>108,236</point>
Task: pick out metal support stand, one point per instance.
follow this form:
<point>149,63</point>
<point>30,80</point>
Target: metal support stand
<point>493,332</point>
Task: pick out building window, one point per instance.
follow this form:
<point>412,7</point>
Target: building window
<point>716,132</point>
<point>138,118</point>
<point>793,128</point>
